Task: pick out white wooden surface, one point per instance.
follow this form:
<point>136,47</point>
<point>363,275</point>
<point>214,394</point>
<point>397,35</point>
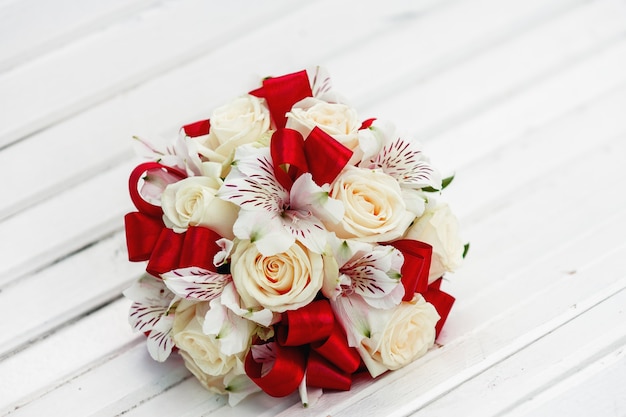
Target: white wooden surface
<point>525,100</point>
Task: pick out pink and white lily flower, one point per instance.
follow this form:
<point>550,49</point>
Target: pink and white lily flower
<point>272,217</point>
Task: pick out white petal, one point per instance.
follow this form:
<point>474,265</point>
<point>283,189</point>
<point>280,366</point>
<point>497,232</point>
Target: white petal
<point>160,342</point>
<point>404,161</point>
<point>230,299</point>
<point>196,283</point>
<point>151,299</point>
<point>232,331</point>
<point>352,313</point>
<point>265,230</point>
<point>305,194</point>
<point>306,229</point>
<point>251,183</point>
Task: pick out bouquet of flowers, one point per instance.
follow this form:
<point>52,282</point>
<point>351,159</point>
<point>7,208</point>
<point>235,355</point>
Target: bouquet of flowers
<point>289,245</point>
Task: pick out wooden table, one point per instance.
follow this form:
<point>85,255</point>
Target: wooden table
<point>524,100</point>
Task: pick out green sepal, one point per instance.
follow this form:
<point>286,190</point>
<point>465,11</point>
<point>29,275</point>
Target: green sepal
<point>444,183</point>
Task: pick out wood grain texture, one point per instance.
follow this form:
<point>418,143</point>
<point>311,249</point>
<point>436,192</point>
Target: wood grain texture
<point>523,100</point>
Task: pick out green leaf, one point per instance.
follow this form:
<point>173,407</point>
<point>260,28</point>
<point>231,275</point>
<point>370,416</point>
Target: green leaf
<point>465,249</point>
<point>444,183</point>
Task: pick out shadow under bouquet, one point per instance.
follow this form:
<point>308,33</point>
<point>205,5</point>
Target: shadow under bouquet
<point>289,245</point>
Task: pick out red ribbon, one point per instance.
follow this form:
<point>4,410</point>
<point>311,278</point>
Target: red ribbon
<point>147,238</point>
<point>308,339</point>
<point>441,301</point>
<point>199,128</point>
<point>320,154</point>
<point>286,374</point>
<point>415,271</point>
<point>417,256</point>
<point>281,93</point>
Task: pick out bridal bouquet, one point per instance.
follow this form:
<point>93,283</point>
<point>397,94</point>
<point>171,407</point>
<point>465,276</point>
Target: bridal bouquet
<point>289,244</point>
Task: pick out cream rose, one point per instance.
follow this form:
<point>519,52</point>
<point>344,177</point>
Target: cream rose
<point>338,120</point>
<point>200,349</point>
<point>408,333</point>
<point>439,228</point>
<point>375,210</point>
<point>280,282</point>
<point>192,202</point>
<point>244,120</point>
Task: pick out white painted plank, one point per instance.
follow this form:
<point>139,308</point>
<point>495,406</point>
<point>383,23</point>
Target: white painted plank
<point>30,28</point>
<point>596,390</point>
<point>459,37</point>
<point>108,62</point>
<point>61,355</point>
<point>109,385</point>
<point>64,291</point>
<point>74,218</point>
<point>543,101</point>
<point>485,80</point>
<point>557,355</point>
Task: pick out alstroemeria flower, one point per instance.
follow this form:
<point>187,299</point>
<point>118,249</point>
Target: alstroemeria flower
<point>397,157</point>
<point>151,312</point>
<point>271,216</point>
<point>371,272</point>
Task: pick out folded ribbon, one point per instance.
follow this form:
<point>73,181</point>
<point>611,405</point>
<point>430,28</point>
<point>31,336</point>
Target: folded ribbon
<point>147,238</point>
<point>417,256</point>
<point>415,271</point>
<point>308,341</point>
<point>281,93</point>
<point>442,302</point>
<point>320,154</point>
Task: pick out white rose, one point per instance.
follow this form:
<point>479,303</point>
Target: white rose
<point>200,349</point>
<point>280,282</point>
<point>375,210</point>
<point>338,120</point>
<point>244,120</point>
<point>235,383</point>
<point>192,202</point>
<point>439,228</point>
<point>408,331</point>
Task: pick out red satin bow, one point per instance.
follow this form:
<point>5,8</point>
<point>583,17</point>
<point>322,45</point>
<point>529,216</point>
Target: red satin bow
<point>308,340</point>
<point>147,238</point>
<point>320,154</point>
<point>415,270</point>
<point>281,93</point>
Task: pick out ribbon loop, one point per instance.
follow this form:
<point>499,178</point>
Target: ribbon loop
<point>417,256</point>
<point>307,324</point>
<point>336,350</point>
<point>133,186</point>
<point>199,128</point>
<point>165,255</point>
<point>199,248</point>
<point>285,375</point>
<point>281,93</point>
<point>442,302</point>
<point>326,156</point>
<point>323,374</point>
<point>142,233</point>
<point>287,150</point>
